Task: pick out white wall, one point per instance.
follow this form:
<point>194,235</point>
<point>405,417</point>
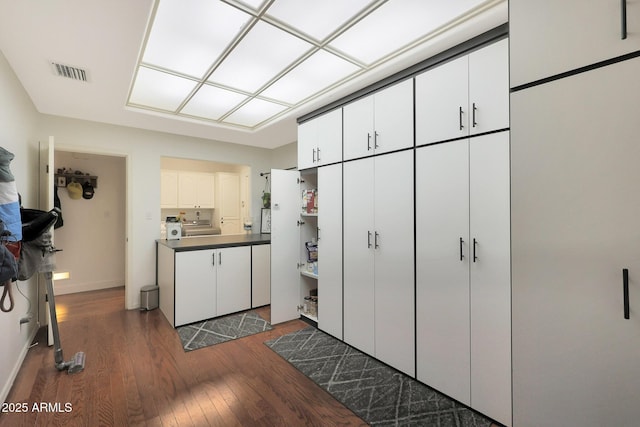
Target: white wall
<point>144,150</point>
<point>18,120</point>
<point>92,238</point>
<point>285,157</point>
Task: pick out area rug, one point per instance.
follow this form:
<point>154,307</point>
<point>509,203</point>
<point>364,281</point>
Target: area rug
<point>378,394</point>
<point>221,329</point>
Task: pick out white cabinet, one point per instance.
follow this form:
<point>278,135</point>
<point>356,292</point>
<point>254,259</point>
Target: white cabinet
<point>378,261</point>
<point>260,275</point>
<point>234,279</point>
<point>320,140</point>
<point>228,202</point>
<point>168,189</point>
<point>379,123</point>
<point>467,96</point>
<point>196,190</point>
<point>195,286</point>
<point>575,211</point>
<point>463,272</point>
<point>575,34</point>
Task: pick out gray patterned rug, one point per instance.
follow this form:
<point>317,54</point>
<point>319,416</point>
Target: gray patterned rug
<point>378,394</point>
<point>221,329</point>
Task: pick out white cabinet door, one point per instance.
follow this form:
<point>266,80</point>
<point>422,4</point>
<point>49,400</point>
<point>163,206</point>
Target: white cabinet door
<point>358,254</point>
<point>234,279</point>
<point>307,144</point>
<point>330,250</point>
<point>393,243</point>
<point>489,88</point>
<point>195,286</point>
<point>329,138</point>
<point>285,243</point>
<point>393,118</point>
<point>260,275</point>
<point>228,197</point>
<point>187,190</point>
<point>205,190</point>
<point>575,210</point>
<point>168,189</point>
<point>442,102</point>
<point>442,268</point>
<point>568,34</point>
<point>490,275</point>
<point>358,128</point>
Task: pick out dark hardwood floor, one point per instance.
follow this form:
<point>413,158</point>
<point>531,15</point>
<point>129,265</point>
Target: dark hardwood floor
<point>137,374</point>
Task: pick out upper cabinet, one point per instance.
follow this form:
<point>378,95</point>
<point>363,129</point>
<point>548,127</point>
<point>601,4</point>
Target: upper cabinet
<point>320,140</point>
<point>379,123</point>
<point>466,96</point>
<point>568,35</point>
<point>168,189</point>
<point>195,190</point>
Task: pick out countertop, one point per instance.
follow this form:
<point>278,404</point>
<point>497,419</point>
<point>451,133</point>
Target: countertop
<point>214,242</point>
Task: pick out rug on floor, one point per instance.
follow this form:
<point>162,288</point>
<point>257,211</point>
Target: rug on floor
<point>378,394</point>
<point>221,329</point>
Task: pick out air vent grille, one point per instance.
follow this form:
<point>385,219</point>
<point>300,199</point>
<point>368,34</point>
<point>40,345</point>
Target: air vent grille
<point>69,72</point>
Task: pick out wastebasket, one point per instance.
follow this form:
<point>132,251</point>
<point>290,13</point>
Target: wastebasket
<point>149,297</point>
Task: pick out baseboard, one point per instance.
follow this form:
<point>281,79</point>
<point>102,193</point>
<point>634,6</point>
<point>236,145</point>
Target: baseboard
<point>62,288</point>
<point>16,368</point>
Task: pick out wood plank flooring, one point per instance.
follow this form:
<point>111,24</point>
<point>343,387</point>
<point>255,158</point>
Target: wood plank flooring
<point>137,374</point>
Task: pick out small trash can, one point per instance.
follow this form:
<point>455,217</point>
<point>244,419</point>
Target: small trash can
<point>149,299</point>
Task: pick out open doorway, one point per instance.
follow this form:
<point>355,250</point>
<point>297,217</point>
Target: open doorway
<point>93,234</point>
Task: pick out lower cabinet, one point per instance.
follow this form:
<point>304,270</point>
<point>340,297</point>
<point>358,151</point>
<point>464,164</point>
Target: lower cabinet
<point>233,279</point>
<point>195,286</point>
<point>260,275</point>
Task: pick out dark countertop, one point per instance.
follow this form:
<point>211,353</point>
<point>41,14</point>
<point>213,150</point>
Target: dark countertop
<point>214,242</point>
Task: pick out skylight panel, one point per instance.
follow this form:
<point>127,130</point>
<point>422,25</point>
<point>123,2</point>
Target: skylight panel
<point>188,36</point>
<point>160,90</point>
<point>320,70</point>
<point>254,112</point>
<point>211,102</point>
<point>314,18</point>
<point>261,55</point>
<point>396,24</point>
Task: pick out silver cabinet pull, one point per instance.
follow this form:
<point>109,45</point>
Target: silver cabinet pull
<point>375,241</point>
<point>473,115</point>
<point>460,117</point>
<point>475,243</point>
<point>375,139</point>
<point>368,141</point>
<point>314,155</point>
<point>368,239</point>
<point>461,254</point>
<point>219,258</point>
<point>623,24</point>
<point>625,291</point>
<point>213,256</point>
<point>318,154</point>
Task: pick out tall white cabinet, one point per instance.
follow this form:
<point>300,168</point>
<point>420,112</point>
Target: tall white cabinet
<point>378,261</point>
<point>320,140</point>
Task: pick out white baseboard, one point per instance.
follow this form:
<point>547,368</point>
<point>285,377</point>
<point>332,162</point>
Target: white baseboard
<point>62,288</point>
<point>16,367</point>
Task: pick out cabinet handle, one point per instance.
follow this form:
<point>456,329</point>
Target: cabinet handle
<point>318,154</point>
<point>219,258</point>
<point>368,239</point>
<point>375,139</point>
<point>213,262</point>
<point>475,242</point>
<point>368,141</point>
<point>375,241</point>
<point>623,10</point>
<point>317,233</point>
<point>461,254</point>
<point>314,155</point>
<point>625,291</point>
<point>460,117</point>
<point>473,115</point>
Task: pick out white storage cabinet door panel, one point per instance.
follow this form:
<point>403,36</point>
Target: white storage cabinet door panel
<point>205,183</point>
<point>195,286</point>
<point>394,268</point>
<point>393,120</point>
<point>187,190</point>
<point>358,128</point>
<point>329,149</point>
<point>568,34</point>
<point>168,189</point>
<point>575,210</point>
<point>490,275</point>
<point>260,275</point>
<point>442,268</point>
<point>359,254</point>
<point>489,88</point>
<point>285,242</point>
<point>234,279</point>
<point>330,250</point>
<point>442,102</point>
<point>307,144</point>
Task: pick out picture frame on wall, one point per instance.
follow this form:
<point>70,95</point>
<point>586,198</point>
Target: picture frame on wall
<point>265,221</point>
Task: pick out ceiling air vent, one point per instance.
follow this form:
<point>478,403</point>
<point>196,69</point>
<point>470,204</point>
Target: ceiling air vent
<point>69,72</point>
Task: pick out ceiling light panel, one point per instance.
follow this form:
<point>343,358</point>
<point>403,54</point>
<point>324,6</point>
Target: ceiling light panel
<point>261,55</point>
<point>212,103</point>
<point>396,24</point>
<point>160,90</point>
<point>253,4</point>
<point>320,70</point>
<point>254,112</point>
<point>189,35</point>
<point>317,19</point>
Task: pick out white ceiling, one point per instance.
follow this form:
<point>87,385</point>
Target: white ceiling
<point>244,90</point>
